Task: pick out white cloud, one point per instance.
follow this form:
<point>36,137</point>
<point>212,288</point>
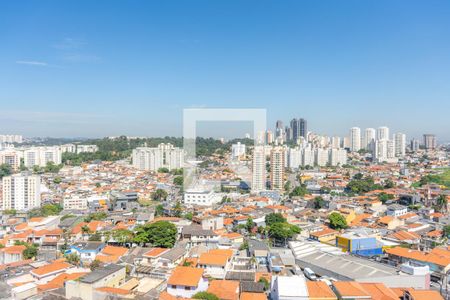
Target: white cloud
<point>32,63</point>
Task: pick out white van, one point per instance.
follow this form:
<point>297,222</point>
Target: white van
<point>310,274</point>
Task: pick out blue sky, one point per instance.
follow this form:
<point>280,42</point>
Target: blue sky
<point>97,68</point>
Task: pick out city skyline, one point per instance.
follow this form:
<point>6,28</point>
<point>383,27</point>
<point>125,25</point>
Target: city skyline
<point>74,71</point>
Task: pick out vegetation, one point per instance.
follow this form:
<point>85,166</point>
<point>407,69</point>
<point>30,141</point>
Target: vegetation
<point>30,251</point>
<point>159,195</point>
<point>178,180</point>
<point>158,234</point>
<point>441,179</point>
<point>283,231</point>
<point>163,170</point>
<point>319,202</point>
<point>274,218</point>
<point>97,216</point>
<point>266,283</point>
<point>337,221</point>
<point>383,197</point>
<point>46,210</point>
<point>441,203</point>
<point>73,259</point>
<point>446,230</point>
<point>205,296</point>
<point>159,210</point>
<point>5,170</point>
<point>94,264</point>
<point>361,185</point>
<point>299,191</point>
<point>11,212</point>
<point>96,237</point>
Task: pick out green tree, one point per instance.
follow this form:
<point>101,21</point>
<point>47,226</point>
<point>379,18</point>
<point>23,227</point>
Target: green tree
<point>163,170</point>
<point>441,203</point>
<point>97,216</point>
<point>337,221</point>
<point>159,210</point>
<point>283,231</point>
<point>159,195</point>
<point>73,259</point>
<point>188,216</point>
<point>177,210</point>
<point>57,180</point>
<point>446,231</point>
<point>266,283</point>
<point>158,234</point>
<point>299,191</point>
<point>205,296</point>
<point>95,264</point>
<point>5,170</point>
<point>85,229</point>
<point>122,235</point>
<point>96,237</point>
<point>178,180</point>
<point>274,218</point>
<point>319,202</point>
<point>249,224</point>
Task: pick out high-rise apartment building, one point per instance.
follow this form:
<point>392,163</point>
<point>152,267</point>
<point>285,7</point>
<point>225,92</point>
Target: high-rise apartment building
<point>163,156</point>
<point>400,144</point>
<point>21,191</point>
<point>415,145</point>
<point>41,156</point>
<point>259,169</point>
<point>277,165</point>
<point>335,142</point>
<point>369,139</point>
<point>355,139</point>
<point>237,150</point>
<point>429,141</point>
<point>11,158</point>
<point>384,151</point>
<point>11,138</point>
<point>383,133</point>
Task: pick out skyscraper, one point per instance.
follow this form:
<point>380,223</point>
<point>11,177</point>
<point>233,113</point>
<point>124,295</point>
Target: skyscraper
<point>259,169</point>
<point>355,139</point>
<point>277,159</point>
<point>369,139</point>
<point>303,128</point>
<point>295,129</point>
<point>383,133</point>
<point>429,141</point>
<point>400,144</point>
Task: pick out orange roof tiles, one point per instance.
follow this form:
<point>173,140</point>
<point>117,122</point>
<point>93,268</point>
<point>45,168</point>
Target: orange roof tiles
<point>225,289</point>
<point>253,296</point>
<point>114,250</point>
<point>424,295</point>
<point>112,290</point>
<point>379,291</point>
<point>13,249</point>
<point>155,252</point>
<point>437,256</point>
<point>324,232</point>
<point>185,276</point>
<point>50,268</point>
<point>320,290</point>
<point>350,289</point>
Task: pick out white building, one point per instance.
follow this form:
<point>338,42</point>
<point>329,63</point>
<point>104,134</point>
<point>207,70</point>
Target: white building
<point>294,158</point>
<point>277,160</point>
<point>201,197</point>
<point>369,139</point>
<point>400,144</point>
<point>11,138</point>
<point>337,157</point>
<point>237,150</point>
<point>75,202</point>
<point>41,156</point>
<point>87,148</point>
<point>21,191</point>
<point>289,288</point>
<point>163,156</point>
<point>335,142</point>
<point>321,157</point>
<point>259,169</point>
<point>11,158</point>
<point>71,148</point>
<point>382,133</point>
<point>355,139</point>
<point>384,151</point>
<point>308,157</point>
